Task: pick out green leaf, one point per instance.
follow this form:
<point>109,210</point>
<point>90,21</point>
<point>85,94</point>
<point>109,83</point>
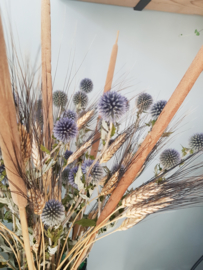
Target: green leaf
<point>91,157</point>
<point>196,31</point>
<point>86,222</point>
<point>44,149</point>
<point>113,131</point>
<point>1,205</point>
<point>166,134</point>
<point>8,216</point>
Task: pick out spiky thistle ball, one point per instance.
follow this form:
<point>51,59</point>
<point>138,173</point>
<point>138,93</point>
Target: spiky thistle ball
<point>112,106</point>
<point>71,177</point>
<point>70,114</point>
<point>38,112</point>
<point>144,101</point>
<point>121,170</point>
<point>64,175</point>
<point>157,108</point>
<point>2,168</point>
<point>80,99</point>
<point>65,129</point>
<point>196,141</point>
<point>86,85</point>
<point>96,172</point>
<point>67,154</point>
<point>169,158</point>
<point>53,213</point>
<point>60,98</point>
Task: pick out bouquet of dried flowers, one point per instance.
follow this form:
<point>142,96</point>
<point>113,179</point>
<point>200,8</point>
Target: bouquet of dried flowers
<point>67,162</point>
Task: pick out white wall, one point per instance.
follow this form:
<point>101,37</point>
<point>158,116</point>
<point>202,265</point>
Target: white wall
<point>150,46</point>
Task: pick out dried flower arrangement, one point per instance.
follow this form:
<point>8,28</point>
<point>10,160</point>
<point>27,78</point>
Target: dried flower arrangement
<point>53,165</point>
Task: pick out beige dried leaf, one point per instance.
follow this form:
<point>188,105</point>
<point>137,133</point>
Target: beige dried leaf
<point>111,150</point>
<point>80,151</point>
<point>110,185</point>
<point>84,119</point>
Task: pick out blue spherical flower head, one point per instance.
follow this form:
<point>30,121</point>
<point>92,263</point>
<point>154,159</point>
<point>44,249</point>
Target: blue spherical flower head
<point>60,98</point>
<point>157,108</point>
<point>112,106</point>
<point>80,99</point>
<point>96,172</point>
<point>67,154</point>
<point>64,175</point>
<point>144,101</point>
<point>71,177</point>
<point>169,158</point>
<point>65,129</point>
<point>196,141</point>
<point>70,114</point>
<point>86,85</point>
<point>53,213</point>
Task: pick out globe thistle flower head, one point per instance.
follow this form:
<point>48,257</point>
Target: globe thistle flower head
<point>86,85</point>
<point>65,129</point>
<point>169,158</point>
<point>53,213</point>
<point>60,98</point>
<point>157,108</point>
<point>71,177</point>
<point>64,175</point>
<point>80,99</point>
<point>144,101</point>
<point>196,141</point>
<point>67,154</point>
<point>70,114</point>
<point>112,106</point>
<point>121,170</point>
<point>2,168</point>
<point>96,172</point>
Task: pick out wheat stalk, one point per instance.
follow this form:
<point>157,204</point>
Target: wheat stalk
<point>142,193</point>
<point>110,185</point>
<point>111,150</point>
<point>136,214</point>
<point>25,143</point>
<point>84,119</point>
<point>80,151</point>
<point>35,153</point>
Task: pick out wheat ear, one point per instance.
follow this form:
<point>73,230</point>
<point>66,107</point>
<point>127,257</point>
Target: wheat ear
<point>84,119</point>
<point>110,185</point>
<point>111,150</point>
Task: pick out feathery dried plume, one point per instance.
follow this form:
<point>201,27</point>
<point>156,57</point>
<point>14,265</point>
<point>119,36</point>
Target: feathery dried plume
<point>84,119</point>
<point>196,141</point>
<point>60,98</point>
<point>86,85</point>
<point>115,145</point>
